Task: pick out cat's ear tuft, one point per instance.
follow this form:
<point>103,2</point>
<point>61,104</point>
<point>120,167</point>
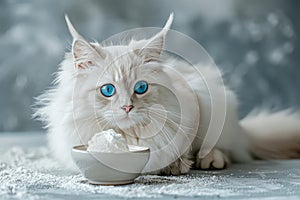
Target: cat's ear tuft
<point>72,30</point>
<point>85,55</point>
<point>155,45</point>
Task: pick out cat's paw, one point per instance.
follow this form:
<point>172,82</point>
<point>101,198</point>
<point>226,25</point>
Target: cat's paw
<point>180,166</point>
<point>216,159</point>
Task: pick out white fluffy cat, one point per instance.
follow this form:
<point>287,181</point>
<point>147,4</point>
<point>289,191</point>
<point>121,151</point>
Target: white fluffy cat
<point>102,87</point>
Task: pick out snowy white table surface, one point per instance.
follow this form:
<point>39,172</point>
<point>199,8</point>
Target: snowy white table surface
<point>27,171</point>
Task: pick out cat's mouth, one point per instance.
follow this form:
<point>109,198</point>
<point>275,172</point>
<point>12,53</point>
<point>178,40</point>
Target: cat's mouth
<point>125,122</point>
<point>128,120</point>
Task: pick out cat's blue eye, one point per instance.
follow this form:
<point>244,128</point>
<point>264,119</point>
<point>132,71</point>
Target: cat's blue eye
<point>108,90</point>
<point>141,87</point>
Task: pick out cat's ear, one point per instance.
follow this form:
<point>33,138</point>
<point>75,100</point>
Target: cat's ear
<point>84,54</point>
<point>155,45</point>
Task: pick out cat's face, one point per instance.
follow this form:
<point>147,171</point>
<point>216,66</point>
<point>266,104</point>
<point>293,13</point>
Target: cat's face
<point>118,84</point>
<point>125,89</point>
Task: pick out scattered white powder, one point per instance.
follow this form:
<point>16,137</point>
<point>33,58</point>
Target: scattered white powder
<point>31,173</point>
<point>107,141</point>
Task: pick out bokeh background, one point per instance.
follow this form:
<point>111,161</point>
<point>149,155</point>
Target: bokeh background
<point>255,43</point>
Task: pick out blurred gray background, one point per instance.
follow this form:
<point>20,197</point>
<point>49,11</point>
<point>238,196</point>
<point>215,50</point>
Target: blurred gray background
<point>255,43</point>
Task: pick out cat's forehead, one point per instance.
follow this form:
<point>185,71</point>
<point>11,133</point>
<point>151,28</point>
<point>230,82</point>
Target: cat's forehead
<point>117,49</point>
<point>122,63</point>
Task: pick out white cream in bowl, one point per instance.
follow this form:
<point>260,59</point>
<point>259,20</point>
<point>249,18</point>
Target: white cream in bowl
<point>108,160</point>
<point>107,141</point>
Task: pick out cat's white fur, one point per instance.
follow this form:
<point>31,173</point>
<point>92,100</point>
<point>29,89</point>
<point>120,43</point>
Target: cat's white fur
<point>69,109</point>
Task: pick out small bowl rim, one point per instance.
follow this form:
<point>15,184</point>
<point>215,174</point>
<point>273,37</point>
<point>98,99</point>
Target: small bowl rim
<point>143,150</point>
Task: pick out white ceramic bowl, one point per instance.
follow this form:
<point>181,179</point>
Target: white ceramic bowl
<point>105,168</point>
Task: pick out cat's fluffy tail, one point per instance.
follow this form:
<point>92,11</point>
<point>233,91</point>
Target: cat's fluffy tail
<point>273,135</point>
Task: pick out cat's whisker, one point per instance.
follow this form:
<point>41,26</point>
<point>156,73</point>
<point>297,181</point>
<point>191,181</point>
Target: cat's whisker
<point>180,127</point>
<point>100,119</point>
<point>163,117</point>
<point>179,116</point>
<point>166,111</point>
<point>177,152</point>
<point>161,111</point>
<point>106,124</point>
<point>174,146</point>
<point>143,123</point>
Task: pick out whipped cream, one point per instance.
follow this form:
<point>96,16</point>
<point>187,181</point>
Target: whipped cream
<point>107,141</point>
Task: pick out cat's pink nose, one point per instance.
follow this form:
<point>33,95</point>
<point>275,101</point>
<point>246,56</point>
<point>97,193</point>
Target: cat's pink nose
<point>127,108</point>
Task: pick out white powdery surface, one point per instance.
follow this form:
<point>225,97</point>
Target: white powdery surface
<point>26,172</point>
